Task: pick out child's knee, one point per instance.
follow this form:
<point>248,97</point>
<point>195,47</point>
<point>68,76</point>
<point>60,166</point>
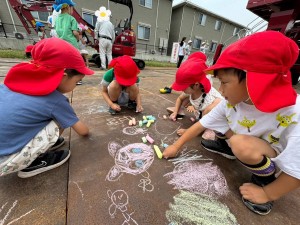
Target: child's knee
<point>240,145</point>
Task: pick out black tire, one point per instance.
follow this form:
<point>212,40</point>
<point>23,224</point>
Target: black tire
<point>98,61</point>
<point>95,55</point>
<point>295,76</point>
<point>140,64</point>
<point>19,36</point>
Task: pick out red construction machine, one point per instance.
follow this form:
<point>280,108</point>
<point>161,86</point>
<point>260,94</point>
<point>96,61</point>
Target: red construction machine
<point>283,16</point>
<point>125,41</point>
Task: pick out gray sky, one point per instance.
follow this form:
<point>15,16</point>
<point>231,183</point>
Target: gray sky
<point>234,10</point>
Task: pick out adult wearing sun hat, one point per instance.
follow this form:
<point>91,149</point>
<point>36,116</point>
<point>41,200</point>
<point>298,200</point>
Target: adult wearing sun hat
<point>34,111</point>
<point>120,85</point>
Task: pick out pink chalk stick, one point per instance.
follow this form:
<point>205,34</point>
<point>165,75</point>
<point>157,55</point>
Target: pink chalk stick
<point>130,123</point>
<point>133,121</point>
<point>150,139</point>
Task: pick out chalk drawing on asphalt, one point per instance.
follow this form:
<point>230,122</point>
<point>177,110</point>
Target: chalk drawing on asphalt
<point>117,120</point>
<point>133,159</point>
<point>119,201</point>
<point>134,130</point>
<point>189,208</point>
<point>145,182</point>
<point>6,216</point>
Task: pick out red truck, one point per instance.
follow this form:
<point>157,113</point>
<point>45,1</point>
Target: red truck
<point>283,16</point>
<point>125,41</point>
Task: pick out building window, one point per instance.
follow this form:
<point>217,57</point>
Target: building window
<point>146,3</point>
<point>218,25</point>
<point>202,19</point>
<point>236,31</point>
<point>89,17</point>
<point>40,16</point>
<point>213,46</point>
<point>143,32</point>
<point>197,43</point>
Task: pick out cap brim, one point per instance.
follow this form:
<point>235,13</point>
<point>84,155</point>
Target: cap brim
<point>270,92</point>
<point>211,69</point>
<point>85,71</point>
<point>179,87</point>
<point>127,81</point>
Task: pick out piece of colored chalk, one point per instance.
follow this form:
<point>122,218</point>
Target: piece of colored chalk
<point>192,119</point>
<point>165,117</point>
<point>140,123</point>
<point>145,121</point>
<point>130,123</point>
<point>150,121</point>
<point>157,151</point>
<point>165,145</point>
<point>148,124</point>
<point>144,139</point>
<point>144,118</point>
<point>149,138</point>
<point>133,121</point>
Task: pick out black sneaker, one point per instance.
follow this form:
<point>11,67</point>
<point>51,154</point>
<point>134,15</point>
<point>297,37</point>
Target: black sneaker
<point>131,104</point>
<point>45,162</point>
<point>218,146</point>
<point>60,142</point>
<point>112,111</point>
<point>261,209</point>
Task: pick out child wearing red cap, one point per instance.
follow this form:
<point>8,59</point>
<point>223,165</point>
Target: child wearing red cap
<point>260,116</point>
<point>34,111</point>
<point>120,85</point>
<point>66,25</point>
<point>196,87</point>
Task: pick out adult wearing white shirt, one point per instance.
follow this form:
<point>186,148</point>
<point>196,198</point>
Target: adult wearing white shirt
<point>181,52</point>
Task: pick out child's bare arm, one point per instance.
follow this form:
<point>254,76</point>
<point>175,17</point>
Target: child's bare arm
<point>278,188</point>
<point>139,107</point>
<point>107,99</point>
<point>211,106</point>
<point>80,128</point>
<point>189,134</point>
<point>76,34</point>
<point>178,104</point>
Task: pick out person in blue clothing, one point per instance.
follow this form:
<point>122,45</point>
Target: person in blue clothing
<point>40,29</point>
<point>34,111</point>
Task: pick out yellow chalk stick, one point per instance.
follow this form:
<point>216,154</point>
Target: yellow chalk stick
<point>151,121</point>
<point>148,124</point>
<point>157,151</point>
<point>144,118</point>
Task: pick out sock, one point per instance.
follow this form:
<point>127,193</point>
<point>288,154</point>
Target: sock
<point>220,135</point>
<point>264,172</point>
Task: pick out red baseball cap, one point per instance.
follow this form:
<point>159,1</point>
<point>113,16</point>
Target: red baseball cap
<point>191,72</point>
<point>42,75</point>
<point>125,70</point>
<point>267,58</point>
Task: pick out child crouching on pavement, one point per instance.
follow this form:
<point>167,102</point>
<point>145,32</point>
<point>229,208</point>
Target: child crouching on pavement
<point>260,116</point>
<point>34,111</point>
<point>196,87</point>
<point>120,85</point>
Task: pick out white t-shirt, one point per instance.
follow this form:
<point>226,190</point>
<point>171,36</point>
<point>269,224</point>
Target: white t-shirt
<point>209,98</point>
<point>281,129</point>
<point>181,49</point>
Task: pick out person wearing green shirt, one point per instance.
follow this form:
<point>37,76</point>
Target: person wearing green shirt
<point>66,25</point>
